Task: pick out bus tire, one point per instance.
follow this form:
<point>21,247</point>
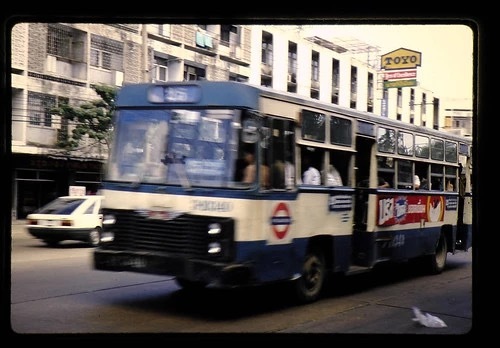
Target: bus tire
<point>309,285</point>
<point>437,261</point>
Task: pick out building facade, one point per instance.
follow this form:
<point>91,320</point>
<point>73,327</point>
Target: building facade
<point>54,63</point>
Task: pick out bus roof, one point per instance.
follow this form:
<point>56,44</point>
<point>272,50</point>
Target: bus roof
<point>229,94</point>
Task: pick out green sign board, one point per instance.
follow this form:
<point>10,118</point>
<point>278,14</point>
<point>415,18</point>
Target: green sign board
<point>400,83</point>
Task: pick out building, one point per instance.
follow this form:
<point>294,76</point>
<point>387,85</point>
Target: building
<point>54,63</point>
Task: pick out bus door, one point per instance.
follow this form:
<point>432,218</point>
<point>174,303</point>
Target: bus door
<point>462,242</point>
<point>362,246</point>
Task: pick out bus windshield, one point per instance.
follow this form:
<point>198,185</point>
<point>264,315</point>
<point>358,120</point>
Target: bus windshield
<point>176,147</point>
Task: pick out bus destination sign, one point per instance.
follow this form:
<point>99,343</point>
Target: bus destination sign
<point>174,94</point>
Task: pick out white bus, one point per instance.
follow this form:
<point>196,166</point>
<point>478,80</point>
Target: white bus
<point>177,202</point>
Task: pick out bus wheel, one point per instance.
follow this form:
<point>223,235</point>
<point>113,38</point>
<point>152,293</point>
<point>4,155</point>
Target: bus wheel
<point>308,287</point>
<point>437,261</point>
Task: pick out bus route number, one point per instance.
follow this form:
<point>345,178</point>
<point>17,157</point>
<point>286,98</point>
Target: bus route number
<point>398,241</point>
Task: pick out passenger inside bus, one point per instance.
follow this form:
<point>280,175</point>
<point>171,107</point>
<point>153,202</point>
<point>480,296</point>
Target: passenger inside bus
<point>333,177</point>
<point>416,182</point>
<point>424,184</point>
<point>311,175</point>
<point>382,183</point>
<point>250,170</point>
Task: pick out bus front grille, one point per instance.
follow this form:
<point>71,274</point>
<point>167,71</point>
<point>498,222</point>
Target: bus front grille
<point>185,236</point>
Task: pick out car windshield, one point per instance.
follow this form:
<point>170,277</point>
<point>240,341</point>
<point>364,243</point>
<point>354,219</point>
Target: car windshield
<point>61,206</point>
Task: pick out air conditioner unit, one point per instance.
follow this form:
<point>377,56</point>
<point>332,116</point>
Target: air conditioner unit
<point>51,63</point>
<point>117,78</point>
<point>56,121</point>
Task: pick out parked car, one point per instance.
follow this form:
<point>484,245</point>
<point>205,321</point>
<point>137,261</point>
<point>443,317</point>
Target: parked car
<point>68,218</point>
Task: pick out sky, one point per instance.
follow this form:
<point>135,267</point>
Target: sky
<point>447,52</point>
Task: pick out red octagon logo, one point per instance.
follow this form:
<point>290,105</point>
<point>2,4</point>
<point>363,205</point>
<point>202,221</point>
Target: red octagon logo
<point>281,220</point>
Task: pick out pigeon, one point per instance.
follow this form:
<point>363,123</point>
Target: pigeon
<point>427,319</point>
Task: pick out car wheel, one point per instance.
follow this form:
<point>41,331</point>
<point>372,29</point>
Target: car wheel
<point>95,237</point>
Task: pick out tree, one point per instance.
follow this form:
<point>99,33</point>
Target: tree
<point>92,118</point>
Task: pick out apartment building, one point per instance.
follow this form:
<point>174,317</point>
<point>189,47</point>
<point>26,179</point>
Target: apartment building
<point>52,63</point>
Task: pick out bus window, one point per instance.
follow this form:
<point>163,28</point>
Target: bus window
<point>405,143</point>
<point>385,169</point>
<point>339,160</point>
<point>437,177</point>
<point>450,152</point>
<point>313,126</point>
<point>311,164</point>
<point>340,131</point>
<point>281,153</point>
<point>437,149</point>
<point>386,139</point>
<point>405,176</point>
<point>450,174</point>
<point>422,170</point>
<point>421,146</point>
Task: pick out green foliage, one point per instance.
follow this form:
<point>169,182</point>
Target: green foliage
<point>93,118</point>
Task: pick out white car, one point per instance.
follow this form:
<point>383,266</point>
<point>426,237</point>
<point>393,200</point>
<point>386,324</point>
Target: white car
<point>68,218</point>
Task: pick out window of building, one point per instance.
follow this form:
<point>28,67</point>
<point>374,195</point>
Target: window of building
<point>106,53</point>
<point>267,48</point>
<point>412,99</point>
<point>39,106</point>
<point>229,34</point>
<point>160,69</point>
<point>192,73</point>
<point>164,30</point>
<point>315,66</point>
<point>354,79</point>
<point>59,41</point>
<point>370,93</point>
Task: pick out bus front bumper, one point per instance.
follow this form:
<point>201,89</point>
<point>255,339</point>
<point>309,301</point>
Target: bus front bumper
<point>213,274</point>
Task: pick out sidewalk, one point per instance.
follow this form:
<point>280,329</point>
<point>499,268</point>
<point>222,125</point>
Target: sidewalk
<point>18,228</point>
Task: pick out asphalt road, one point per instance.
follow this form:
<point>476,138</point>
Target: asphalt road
<point>377,303</point>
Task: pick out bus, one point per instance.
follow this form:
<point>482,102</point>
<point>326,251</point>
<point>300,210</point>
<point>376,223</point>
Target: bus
<point>177,202</point>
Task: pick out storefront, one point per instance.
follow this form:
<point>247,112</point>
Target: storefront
<point>39,179</point>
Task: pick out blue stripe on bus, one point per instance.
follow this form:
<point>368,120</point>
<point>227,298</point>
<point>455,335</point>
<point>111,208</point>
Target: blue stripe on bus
<point>283,261</point>
<point>226,193</point>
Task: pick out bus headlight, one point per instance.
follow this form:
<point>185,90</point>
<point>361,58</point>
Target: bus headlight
<point>108,219</point>
<point>214,248</point>
<point>214,228</point>
<point>107,237</point>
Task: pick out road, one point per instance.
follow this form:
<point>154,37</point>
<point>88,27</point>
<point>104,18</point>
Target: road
<point>56,291</point>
